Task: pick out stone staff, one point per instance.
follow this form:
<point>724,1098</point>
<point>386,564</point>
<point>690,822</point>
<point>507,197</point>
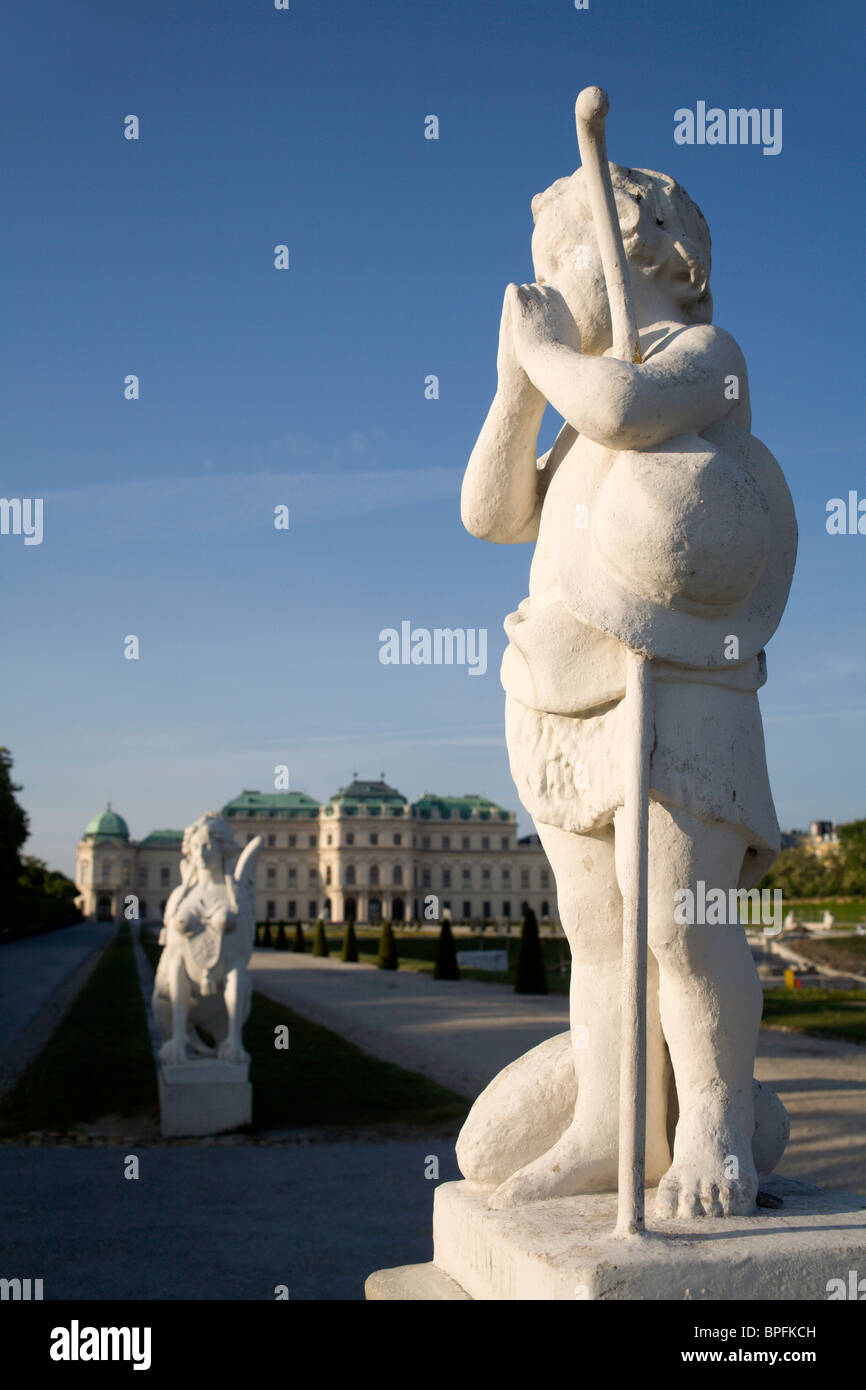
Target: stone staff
<point>590,111</point>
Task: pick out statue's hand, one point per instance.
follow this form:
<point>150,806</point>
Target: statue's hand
<point>513,383</point>
<point>540,316</point>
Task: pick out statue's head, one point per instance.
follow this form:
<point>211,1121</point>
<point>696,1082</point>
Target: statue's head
<point>209,842</point>
<point>665,238</point>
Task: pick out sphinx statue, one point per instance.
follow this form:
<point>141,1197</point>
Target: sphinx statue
<point>208,936</point>
<point>664,532</point>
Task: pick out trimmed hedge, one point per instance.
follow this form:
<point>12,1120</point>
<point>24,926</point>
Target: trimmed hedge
<point>446,967</point>
<point>530,976</point>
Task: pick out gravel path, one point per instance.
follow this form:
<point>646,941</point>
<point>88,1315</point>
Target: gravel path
<point>39,979</point>
<point>462,1033</point>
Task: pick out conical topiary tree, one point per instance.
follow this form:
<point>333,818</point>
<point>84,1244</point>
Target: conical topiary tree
<point>530,976</point>
<point>266,934</point>
<point>350,943</point>
<point>282,941</point>
<point>320,940</point>
<point>446,967</point>
<point>387,949</point>
<point>298,945</point>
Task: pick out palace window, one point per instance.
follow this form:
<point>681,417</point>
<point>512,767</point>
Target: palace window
<point>292,912</point>
<point>398,839</point>
<point>485,910</point>
<point>271,911</point>
<point>350,875</point>
<point>485,841</point>
<point>164,874</point>
<point>313,907</point>
<point>467,909</point>
<point>485,875</point>
<point>446,878</point>
<point>506,875</point>
<point>545,878</point>
<point>506,911</point>
<point>524,878</point>
<point>467,875</point>
<point>446,841</point>
<point>350,838</point>
<point>313,841</point>
<point>505,842</point>
<point>466,844</point>
<point>142,876</point>
<point>272,840</point>
<point>106,873</point>
<point>425,841</point>
<point>374,839</point>
<point>293,840</point>
<point>426,881</point>
<point>313,878</point>
<point>293,876</point>
<point>397,876</point>
<point>272,875</point>
<point>328,877</point>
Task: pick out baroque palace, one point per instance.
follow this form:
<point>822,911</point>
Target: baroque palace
<point>368,854</point>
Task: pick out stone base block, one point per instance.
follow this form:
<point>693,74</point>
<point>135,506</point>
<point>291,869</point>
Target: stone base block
<point>204,1096</point>
<point>565,1249</point>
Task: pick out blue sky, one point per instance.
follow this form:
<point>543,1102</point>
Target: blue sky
<point>306,387</point>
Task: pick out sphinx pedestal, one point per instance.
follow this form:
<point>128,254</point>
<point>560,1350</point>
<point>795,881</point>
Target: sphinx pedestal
<point>565,1249</point>
<point>204,1096</point>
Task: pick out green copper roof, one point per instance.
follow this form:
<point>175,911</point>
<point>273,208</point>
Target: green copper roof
<point>458,807</point>
<point>361,791</point>
<point>108,826</point>
<point>163,837</point>
<point>251,803</point>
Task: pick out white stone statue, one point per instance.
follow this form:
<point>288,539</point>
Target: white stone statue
<point>208,937</point>
<point>665,534</point>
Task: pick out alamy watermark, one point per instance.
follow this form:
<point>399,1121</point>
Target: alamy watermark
<point>736,126</point>
<point>22,516</point>
<point>719,907</point>
<point>441,646</point>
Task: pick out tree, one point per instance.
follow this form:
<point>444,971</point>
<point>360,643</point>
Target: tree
<point>14,824</point>
<point>320,940</point>
<point>36,875</point>
<point>530,976</point>
<point>387,959</point>
<point>350,943</point>
<point>446,967</point>
<point>266,934</point>
<point>282,941</point>
<point>299,946</point>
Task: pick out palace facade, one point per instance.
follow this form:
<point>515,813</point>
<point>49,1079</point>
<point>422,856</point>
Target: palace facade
<point>368,854</point>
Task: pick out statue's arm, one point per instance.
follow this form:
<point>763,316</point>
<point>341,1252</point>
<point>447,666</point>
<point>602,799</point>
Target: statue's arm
<point>681,388</point>
<point>500,496</point>
<point>501,492</point>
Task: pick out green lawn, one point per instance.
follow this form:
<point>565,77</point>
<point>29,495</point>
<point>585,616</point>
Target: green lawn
<point>845,910</point>
<point>826,1013</point>
<point>97,1062</point>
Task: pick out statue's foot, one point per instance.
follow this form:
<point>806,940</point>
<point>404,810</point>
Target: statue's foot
<point>698,1182</point>
<point>174,1052</point>
<point>573,1165</point>
<point>229,1051</point>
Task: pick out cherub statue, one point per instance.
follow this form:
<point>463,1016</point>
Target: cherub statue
<point>208,937</point>
<point>662,527</point>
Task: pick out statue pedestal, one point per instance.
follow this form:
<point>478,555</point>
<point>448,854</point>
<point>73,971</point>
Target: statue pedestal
<point>564,1249</point>
<point>204,1096</point>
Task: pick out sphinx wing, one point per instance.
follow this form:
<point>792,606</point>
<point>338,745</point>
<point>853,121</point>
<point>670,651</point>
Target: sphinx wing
<point>245,883</point>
